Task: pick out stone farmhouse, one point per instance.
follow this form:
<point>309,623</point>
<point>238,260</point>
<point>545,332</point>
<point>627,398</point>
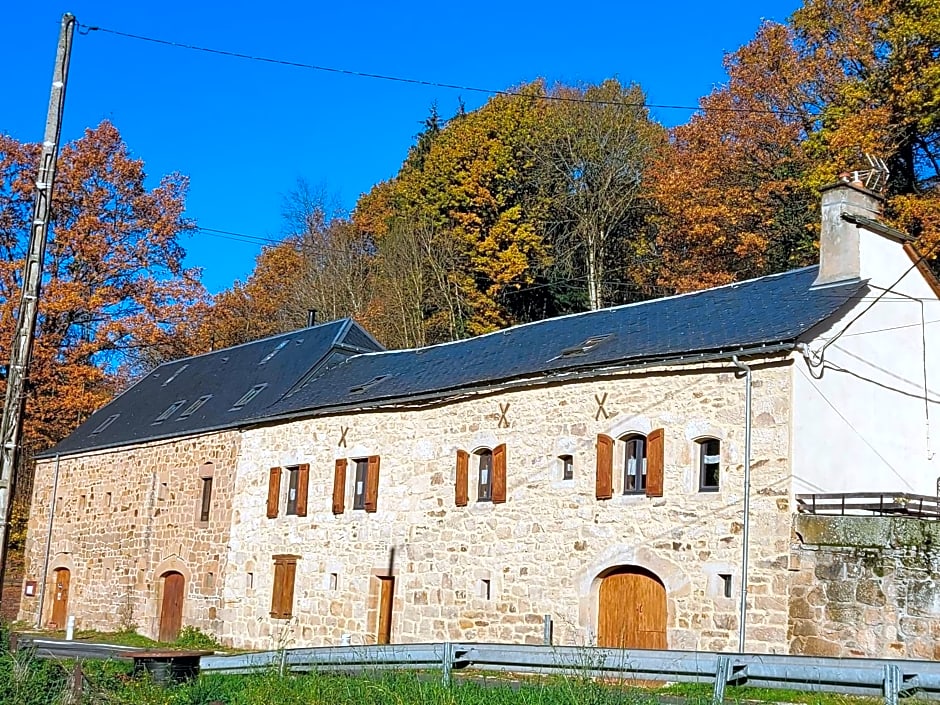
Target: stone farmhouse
<point>598,468</point>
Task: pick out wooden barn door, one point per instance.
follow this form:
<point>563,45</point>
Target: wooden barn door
<point>171,611</point>
<point>60,597</point>
<point>386,599</point>
<point>631,610</point>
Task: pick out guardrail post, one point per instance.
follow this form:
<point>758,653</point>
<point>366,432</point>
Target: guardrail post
<point>547,634</point>
<point>892,684</point>
<point>721,679</point>
<point>447,663</point>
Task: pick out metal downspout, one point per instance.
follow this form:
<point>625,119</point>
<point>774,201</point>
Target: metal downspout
<point>745,537</point>
<point>45,563</point>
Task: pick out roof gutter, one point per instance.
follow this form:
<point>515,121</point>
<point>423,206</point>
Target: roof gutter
<point>510,384</point>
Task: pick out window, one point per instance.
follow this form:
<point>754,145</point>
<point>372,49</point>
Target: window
<point>725,579</point>
<point>567,467</point>
<point>585,346</point>
<point>282,597</point>
<point>360,388</point>
<point>709,464</point>
<point>169,411</point>
<point>485,484</point>
<point>206,499</point>
<point>483,589</point>
<point>249,395</point>
<point>634,465</point>
<point>292,490</point>
<point>334,581</point>
<point>359,492</point>
<point>194,407</point>
<point>366,487</point>
<point>297,480</point>
<point>174,375</point>
<point>280,346</point>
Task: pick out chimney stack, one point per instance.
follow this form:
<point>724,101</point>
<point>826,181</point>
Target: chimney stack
<point>839,240</point>
<point>311,317</point>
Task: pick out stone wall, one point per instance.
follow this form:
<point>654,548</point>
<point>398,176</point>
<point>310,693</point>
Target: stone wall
<point>125,517</point>
<point>545,550</point>
<point>865,586</point>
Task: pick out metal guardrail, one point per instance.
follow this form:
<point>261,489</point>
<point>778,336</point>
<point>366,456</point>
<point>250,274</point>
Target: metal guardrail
<point>58,648</point>
<point>873,677</point>
<point>877,503</point>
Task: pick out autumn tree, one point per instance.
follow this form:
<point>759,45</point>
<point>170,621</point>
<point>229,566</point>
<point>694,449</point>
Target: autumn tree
<point>115,285</point>
<point>594,157</point>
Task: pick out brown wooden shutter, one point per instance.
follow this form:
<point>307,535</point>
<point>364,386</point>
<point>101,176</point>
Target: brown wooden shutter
<point>303,477</point>
<point>499,474</point>
<point>655,463</point>
<point>274,491</point>
<point>461,494</point>
<point>282,596</point>
<point>372,484</point>
<point>604,485</point>
<point>339,486</point>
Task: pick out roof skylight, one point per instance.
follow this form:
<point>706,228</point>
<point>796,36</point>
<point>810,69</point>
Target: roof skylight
<point>169,411</point>
<point>360,388</point>
<point>585,346</point>
<point>249,395</point>
<point>192,408</point>
<point>174,375</point>
<point>280,346</point>
<point>107,422</point>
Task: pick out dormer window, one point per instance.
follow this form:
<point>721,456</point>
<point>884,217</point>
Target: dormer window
<point>249,395</point>
<point>169,411</point>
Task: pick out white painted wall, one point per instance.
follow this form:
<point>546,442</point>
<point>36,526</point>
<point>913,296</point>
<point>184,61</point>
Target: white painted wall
<point>868,418</point>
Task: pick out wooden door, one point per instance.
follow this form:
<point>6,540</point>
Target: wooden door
<point>60,597</point>
<point>631,611</point>
<point>386,597</point>
<point>171,611</point>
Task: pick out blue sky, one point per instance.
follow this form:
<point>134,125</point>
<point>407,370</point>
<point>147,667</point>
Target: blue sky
<point>245,131</point>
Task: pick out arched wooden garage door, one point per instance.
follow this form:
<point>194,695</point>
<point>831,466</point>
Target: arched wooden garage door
<point>171,610</point>
<point>631,610</point>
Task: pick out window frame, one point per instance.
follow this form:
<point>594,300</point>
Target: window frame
<point>567,466</point>
<point>293,476</point>
<point>629,441</point>
<point>705,469</point>
<point>484,487</point>
<point>360,481</point>
<point>205,505</point>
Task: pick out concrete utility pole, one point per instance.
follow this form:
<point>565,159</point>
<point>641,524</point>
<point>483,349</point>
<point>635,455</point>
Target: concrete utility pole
<point>21,350</point>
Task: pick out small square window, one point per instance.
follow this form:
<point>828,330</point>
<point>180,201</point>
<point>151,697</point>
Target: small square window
<point>725,579</point>
<point>709,464</point>
<point>483,589</point>
<point>567,467</point>
<point>334,581</point>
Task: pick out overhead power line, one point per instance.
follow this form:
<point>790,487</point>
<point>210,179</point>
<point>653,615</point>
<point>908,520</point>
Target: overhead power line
<point>86,29</point>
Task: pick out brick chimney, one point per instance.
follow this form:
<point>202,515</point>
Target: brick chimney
<point>839,239</point>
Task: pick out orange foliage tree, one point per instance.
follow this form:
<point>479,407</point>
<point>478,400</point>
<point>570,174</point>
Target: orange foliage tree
<point>114,286</point>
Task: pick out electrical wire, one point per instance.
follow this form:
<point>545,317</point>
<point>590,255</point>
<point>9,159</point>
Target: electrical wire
<point>87,29</point>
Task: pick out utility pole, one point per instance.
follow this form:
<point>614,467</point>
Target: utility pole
<point>21,350</point>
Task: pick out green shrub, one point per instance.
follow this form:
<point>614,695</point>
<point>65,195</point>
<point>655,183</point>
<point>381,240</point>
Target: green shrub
<point>193,638</point>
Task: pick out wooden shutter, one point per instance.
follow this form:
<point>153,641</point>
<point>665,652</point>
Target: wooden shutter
<point>604,484</point>
<point>274,491</point>
<point>339,486</point>
<point>461,494</point>
<point>282,597</point>
<point>655,462</point>
<point>372,484</point>
<point>303,477</point>
<point>499,474</point>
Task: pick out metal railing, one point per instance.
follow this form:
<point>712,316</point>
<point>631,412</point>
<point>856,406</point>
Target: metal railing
<point>866,503</point>
<point>873,677</point>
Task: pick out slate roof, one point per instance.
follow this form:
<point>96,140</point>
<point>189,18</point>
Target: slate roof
<point>772,310</point>
<point>338,365</point>
<point>175,388</point>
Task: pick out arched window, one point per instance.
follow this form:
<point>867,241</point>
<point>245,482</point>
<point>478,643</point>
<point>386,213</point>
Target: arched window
<point>709,464</point>
<point>634,464</point>
<point>485,484</point>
